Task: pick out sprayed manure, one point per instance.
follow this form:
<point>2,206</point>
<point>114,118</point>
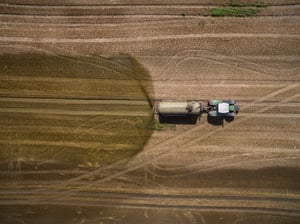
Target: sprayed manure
<point>86,111</point>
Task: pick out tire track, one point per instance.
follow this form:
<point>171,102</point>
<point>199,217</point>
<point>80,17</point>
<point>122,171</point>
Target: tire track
<point>171,9</point>
<point>270,153</point>
<point>61,172</point>
<point>72,101</point>
<point>246,68</point>
<point>269,96</point>
<point>104,10</point>
<point>181,57</point>
<point>251,66</point>
<point>118,205</point>
<point>62,129</point>
<point>213,165</point>
<point>227,162</point>
<point>147,39</point>
<point>189,142</point>
<point>64,20</point>
<point>243,119</point>
<point>115,29</point>
<point>164,152</point>
<point>73,112</point>
<point>97,21</point>
<point>279,115</point>
<point>261,204</point>
<point>149,195</point>
<point>74,144</point>
<point>250,104</point>
<point>130,2</point>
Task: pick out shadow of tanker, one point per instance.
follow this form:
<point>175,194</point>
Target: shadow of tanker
<point>178,119</point>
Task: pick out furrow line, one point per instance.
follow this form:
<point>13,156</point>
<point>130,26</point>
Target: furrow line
<point>145,39</point>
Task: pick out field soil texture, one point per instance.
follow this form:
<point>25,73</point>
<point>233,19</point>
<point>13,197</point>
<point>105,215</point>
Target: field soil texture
<point>79,142</point>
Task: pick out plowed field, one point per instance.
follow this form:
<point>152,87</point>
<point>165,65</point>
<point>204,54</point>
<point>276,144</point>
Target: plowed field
<point>77,83</point>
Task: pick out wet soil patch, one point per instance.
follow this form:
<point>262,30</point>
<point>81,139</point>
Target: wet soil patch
<point>87,111</point>
<point>270,177</point>
<point>77,214</point>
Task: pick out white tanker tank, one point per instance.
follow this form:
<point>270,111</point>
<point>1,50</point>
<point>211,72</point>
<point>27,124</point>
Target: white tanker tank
<point>190,110</point>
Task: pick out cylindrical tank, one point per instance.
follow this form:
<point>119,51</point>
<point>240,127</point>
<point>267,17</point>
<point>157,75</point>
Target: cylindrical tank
<point>167,108</point>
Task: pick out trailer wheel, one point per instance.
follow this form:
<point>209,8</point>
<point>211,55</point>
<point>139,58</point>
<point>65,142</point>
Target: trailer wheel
<point>212,113</point>
<point>211,103</point>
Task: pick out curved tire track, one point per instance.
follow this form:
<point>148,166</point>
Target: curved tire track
<point>164,152</point>
<point>182,56</point>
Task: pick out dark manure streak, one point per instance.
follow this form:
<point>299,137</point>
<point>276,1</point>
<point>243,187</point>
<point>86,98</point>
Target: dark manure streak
<point>124,79</point>
<point>100,200</point>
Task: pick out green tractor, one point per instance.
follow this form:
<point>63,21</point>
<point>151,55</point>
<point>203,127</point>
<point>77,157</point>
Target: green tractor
<point>222,109</point>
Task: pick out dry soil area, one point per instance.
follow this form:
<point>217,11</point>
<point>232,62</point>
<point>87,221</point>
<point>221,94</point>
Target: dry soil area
<point>245,171</point>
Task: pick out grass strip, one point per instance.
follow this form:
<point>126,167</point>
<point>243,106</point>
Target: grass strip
<point>234,11</point>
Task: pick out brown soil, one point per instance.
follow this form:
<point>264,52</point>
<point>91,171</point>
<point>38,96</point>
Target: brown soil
<point>245,171</point>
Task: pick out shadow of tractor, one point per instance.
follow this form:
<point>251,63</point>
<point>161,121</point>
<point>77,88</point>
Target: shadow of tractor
<point>218,121</point>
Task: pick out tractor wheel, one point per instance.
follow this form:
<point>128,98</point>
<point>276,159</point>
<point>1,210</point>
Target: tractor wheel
<point>231,102</point>
<point>232,114</point>
<point>229,119</point>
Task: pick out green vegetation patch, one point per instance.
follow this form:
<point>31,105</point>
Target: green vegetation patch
<point>157,126</point>
<point>236,3</point>
<point>238,9</point>
<point>234,11</point>
<point>79,111</point>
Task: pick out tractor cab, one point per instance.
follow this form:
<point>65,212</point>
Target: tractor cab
<point>220,108</point>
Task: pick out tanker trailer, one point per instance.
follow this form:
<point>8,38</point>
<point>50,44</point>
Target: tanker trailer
<point>179,112</point>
